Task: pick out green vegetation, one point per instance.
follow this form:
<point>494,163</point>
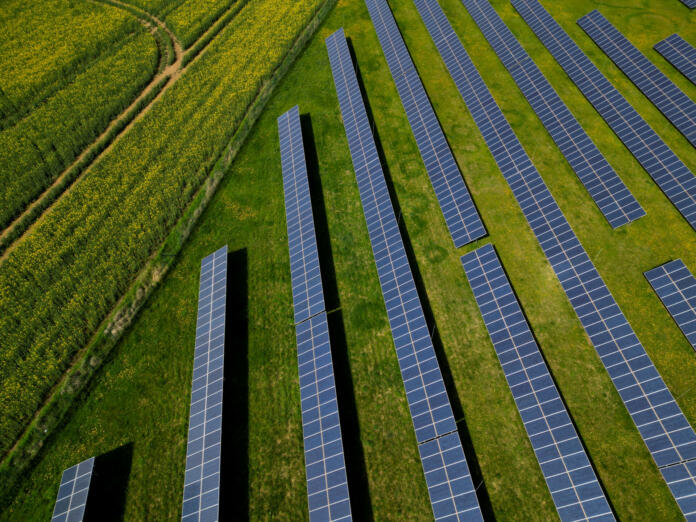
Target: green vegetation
<point>141,395</point>
<point>35,150</point>
<point>192,18</point>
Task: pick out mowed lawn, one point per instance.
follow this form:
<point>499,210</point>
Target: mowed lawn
<point>141,395</point>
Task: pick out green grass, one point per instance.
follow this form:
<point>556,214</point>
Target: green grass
<point>141,395</point>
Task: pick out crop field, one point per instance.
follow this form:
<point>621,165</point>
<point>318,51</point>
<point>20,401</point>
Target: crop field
<point>62,279</point>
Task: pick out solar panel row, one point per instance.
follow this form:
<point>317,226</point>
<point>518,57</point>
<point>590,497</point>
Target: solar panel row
<point>680,53</point>
<point>202,479</point>
<point>664,167</point>
<point>675,285</point>
<point>660,90</point>
<point>449,483</point>
<point>601,181</point>
<point>327,482</point>
<point>689,3</point>
<point>455,201</point>
<point>73,491</point>
<point>662,425</point>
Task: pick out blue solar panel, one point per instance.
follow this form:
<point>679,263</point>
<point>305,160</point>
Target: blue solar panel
<point>664,167</point>
<point>566,467</point>
<point>601,181</point>
<point>307,293</point>
<point>675,285</point>
<point>689,3</point>
<point>427,398</point>
<point>327,484</point>
<point>680,53</point>
<point>202,479</point>
<point>667,97</point>
<point>461,216</point>
<point>73,492</point>
<point>664,428</point>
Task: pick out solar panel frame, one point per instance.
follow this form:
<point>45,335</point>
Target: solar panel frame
<point>669,172</point>
<point>661,423</point>
<point>201,499</point>
<point>680,53</point>
<point>429,405</point>
<point>71,500</point>
<point>675,285</point>
<point>689,3</point>
<point>607,190</point>
<point>458,209</point>
<point>307,290</point>
<point>567,469</point>
<point>670,100</point>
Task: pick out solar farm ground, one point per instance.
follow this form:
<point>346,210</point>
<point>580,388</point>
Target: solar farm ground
<point>140,397</point>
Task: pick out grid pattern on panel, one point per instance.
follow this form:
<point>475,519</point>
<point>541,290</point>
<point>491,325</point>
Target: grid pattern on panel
<point>680,53</point>
<point>662,425</point>
<point>689,3</point>
<point>566,467</point>
<point>608,191</point>
<point>664,167</point>
<point>682,484</point>
<point>327,483</point>
<point>72,492</point>
<point>307,292</point>
<point>660,90</point>
<point>675,285</point>
<point>426,395</point>
<point>458,208</point>
<point>202,478</point>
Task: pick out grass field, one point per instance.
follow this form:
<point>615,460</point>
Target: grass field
<point>139,399</point>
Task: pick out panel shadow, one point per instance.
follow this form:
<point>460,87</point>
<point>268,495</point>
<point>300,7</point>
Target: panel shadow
<point>109,485</point>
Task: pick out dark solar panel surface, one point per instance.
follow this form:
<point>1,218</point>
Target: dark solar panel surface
<point>451,490</point>
<point>72,492</point>
<point>202,479</point>
<point>680,53</point>
<point>666,169</point>
<point>675,285</point>
<point>665,95</point>
<point>689,3</point>
<point>662,425</point>
<point>461,215</point>
<point>307,293</point>
<point>566,467</point>
<point>601,181</point>
<point>327,484</point>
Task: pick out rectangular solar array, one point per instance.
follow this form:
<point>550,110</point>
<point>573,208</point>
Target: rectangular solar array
<point>665,95</point>
<point>449,483</point>
<point>327,482</point>
<point>601,181</point>
<point>307,293</point>
<point>72,493</point>
<point>461,216</point>
<point>569,475</point>
<point>680,53</point>
<point>662,425</point>
<point>664,167</point>
<point>689,3</point>
<point>675,285</point>
<point>202,479</point>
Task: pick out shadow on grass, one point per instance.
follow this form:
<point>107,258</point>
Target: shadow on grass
<point>474,468</point>
<point>109,484</point>
<point>361,503</point>
<point>234,471</point>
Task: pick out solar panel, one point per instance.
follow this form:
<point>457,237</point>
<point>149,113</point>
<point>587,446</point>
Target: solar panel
<point>202,478</point>
<point>307,293</point>
<point>456,204</point>
<point>574,487</point>
<point>608,191</point>
<point>426,395</point>
<point>662,425</point>
<point>661,163</point>
<point>680,53</point>
<point>327,484</point>
<point>72,492</point>
<point>660,90</point>
<point>675,285</point>
<point>689,3</point>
